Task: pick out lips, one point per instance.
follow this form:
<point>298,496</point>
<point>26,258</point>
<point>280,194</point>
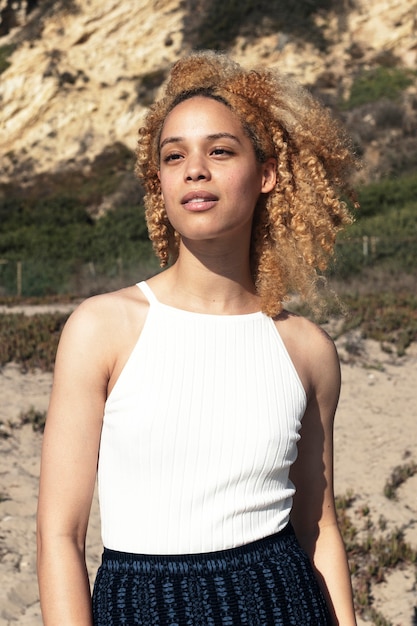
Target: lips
<point>199,200</point>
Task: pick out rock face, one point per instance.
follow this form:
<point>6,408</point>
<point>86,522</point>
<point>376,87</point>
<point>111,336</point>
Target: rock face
<point>82,73</point>
<point>77,88</point>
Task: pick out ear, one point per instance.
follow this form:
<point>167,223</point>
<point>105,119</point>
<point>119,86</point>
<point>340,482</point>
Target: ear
<point>269,175</point>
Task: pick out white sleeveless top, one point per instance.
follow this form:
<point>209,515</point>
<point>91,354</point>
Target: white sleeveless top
<point>199,433</point>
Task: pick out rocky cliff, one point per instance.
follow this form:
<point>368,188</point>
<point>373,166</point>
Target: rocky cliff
<point>77,76</point>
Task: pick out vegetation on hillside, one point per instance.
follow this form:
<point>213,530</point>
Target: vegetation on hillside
<point>52,231</point>
<point>5,54</point>
<point>61,249</point>
<point>216,24</point>
<point>385,231</point>
<point>378,83</point>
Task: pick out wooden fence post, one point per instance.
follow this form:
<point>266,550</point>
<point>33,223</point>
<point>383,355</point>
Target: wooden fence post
<point>19,277</point>
<point>365,246</point>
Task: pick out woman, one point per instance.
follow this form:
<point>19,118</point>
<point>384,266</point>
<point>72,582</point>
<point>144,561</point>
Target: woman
<point>207,407</point>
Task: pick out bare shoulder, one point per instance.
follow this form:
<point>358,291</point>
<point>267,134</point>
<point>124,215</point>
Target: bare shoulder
<point>304,334</point>
<point>103,312</point>
<point>102,331</point>
<point>311,349</point>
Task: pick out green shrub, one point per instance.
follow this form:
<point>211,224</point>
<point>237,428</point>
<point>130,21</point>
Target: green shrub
<point>5,53</point>
<point>387,195</point>
<point>378,83</point>
<point>386,317</point>
<point>48,228</point>
<point>54,237</point>
<point>221,22</point>
<point>387,219</point>
<point>30,340</point>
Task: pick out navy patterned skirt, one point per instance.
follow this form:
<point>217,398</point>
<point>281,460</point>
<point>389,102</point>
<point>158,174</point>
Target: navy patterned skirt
<point>268,582</point>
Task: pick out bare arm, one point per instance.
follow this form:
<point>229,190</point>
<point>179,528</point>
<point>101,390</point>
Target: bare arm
<point>68,470</point>
<point>314,515</point>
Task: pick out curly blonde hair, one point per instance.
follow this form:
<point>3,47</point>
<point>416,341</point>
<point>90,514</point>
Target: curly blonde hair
<point>295,225</point>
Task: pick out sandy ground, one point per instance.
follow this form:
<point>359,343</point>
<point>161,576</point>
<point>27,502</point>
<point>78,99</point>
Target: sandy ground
<point>375,431</point>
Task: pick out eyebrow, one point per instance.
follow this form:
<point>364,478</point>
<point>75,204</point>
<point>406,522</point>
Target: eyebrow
<point>212,137</point>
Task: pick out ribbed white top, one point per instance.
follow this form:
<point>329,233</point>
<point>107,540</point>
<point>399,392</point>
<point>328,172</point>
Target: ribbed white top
<point>198,435</point>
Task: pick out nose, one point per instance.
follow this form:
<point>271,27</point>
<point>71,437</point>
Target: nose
<point>197,168</point>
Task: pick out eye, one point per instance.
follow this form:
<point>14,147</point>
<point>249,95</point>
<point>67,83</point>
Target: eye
<point>221,152</point>
<point>173,156</point>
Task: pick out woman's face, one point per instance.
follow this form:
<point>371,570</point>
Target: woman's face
<point>210,178</point>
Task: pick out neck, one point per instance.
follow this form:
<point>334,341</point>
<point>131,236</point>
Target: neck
<point>211,281</point>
